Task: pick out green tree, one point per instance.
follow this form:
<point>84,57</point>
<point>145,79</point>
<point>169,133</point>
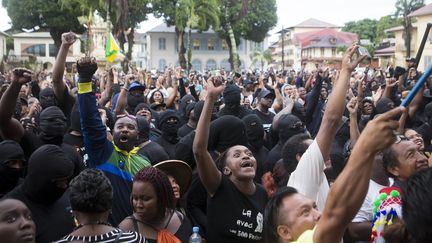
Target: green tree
<point>403,9</point>
<point>43,14</point>
<point>384,23</point>
<point>365,28</point>
<point>196,14</point>
<point>250,20</point>
<point>262,57</point>
<point>187,15</point>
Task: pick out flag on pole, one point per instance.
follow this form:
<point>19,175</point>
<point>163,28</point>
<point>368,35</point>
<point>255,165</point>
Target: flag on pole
<point>112,49</point>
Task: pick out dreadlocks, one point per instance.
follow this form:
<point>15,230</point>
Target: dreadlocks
<point>162,186</point>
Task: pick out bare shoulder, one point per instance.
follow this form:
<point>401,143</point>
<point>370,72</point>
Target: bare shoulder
<point>127,224</point>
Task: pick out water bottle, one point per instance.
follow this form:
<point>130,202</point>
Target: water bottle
<point>195,237</point>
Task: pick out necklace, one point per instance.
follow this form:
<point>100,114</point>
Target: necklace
<point>93,223</point>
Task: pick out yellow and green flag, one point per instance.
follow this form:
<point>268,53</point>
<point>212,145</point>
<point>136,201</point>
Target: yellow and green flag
<point>112,49</point>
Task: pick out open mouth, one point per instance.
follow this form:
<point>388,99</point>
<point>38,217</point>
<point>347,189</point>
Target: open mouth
<point>124,138</point>
<point>247,164</point>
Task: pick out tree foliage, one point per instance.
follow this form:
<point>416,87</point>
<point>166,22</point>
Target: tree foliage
<point>43,14</point>
<point>250,20</point>
<point>262,57</point>
<point>365,28</point>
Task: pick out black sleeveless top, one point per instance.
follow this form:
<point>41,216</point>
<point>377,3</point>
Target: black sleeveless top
<point>183,232</point>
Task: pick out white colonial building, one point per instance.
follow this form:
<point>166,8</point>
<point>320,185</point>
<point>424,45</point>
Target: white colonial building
<point>41,46</point>
<point>3,36</point>
<point>209,52</point>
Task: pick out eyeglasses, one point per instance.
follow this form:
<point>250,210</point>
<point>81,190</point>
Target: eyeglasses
<point>126,115</point>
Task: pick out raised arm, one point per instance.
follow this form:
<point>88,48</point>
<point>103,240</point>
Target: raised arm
<point>209,174</point>
<point>58,85</point>
<point>122,98</point>
<point>352,107</point>
<point>350,188</point>
<point>11,128</point>
<point>336,103</point>
<point>94,132</point>
<point>108,92</point>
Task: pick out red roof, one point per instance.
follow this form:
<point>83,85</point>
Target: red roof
<point>426,10</point>
<point>306,38</point>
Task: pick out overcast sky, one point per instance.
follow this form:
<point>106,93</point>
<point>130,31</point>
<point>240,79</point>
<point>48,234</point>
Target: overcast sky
<point>292,12</point>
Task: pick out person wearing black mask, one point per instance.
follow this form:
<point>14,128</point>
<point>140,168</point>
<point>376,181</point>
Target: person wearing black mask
<point>232,97</point>
<point>149,149</point>
<point>184,102</point>
<point>52,123</point>
<point>191,122</point>
<point>43,191</point>
<point>169,123</point>
<point>135,96</point>
<point>255,136</point>
<point>11,165</point>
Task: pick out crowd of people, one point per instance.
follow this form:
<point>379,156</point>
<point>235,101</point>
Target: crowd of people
<point>96,154</point>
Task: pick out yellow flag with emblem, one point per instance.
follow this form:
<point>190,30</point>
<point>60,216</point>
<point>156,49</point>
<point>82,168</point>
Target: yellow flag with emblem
<point>112,49</point>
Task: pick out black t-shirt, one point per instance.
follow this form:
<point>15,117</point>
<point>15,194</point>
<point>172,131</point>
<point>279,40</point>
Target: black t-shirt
<point>273,156</point>
<point>266,119</point>
<point>184,130</point>
<point>78,143</point>
<point>168,147</point>
<point>235,217</point>
<point>260,157</point>
<point>153,152</point>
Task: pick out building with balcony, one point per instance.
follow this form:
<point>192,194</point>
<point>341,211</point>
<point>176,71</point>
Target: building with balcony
<point>420,18</point>
<point>322,46</point>
<point>292,52</point>
<point>209,52</point>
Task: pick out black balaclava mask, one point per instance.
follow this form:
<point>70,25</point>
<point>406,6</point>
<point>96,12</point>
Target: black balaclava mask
<point>184,101</point>
<point>225,132</point>
<point>52,123</point>
<point>198,110</point>
<point>169,131</point>
<point>254,131</point>
<point>46,164</point>
<point>143,129</point>
<point>47,98</point>
<point>231,95</point>
<point>134,99</point>
<point>10,150</point>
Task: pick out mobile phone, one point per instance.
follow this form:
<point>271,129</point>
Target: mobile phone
<point>363,51</point>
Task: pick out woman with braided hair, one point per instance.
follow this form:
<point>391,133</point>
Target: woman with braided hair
<point>154,214</point>
<point>91,197</point>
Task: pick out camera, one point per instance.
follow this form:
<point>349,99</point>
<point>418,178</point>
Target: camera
<point>361,51</point>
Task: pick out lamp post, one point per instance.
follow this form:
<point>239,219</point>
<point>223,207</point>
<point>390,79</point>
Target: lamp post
<point>283,46</point>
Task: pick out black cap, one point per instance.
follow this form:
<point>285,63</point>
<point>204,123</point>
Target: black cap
<point>10,150</point>
<point>264,93</point>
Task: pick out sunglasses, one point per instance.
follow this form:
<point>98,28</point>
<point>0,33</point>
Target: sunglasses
<point>126,115</point>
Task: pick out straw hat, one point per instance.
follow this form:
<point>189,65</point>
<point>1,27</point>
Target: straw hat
<point>178,169</point>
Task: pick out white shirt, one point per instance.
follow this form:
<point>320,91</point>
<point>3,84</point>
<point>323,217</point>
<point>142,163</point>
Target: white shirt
<point>309,178</point>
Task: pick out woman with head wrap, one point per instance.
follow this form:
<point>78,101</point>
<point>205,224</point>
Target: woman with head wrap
<point>229,182</point>
<point>43,191</point>
<point>90,197</point>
